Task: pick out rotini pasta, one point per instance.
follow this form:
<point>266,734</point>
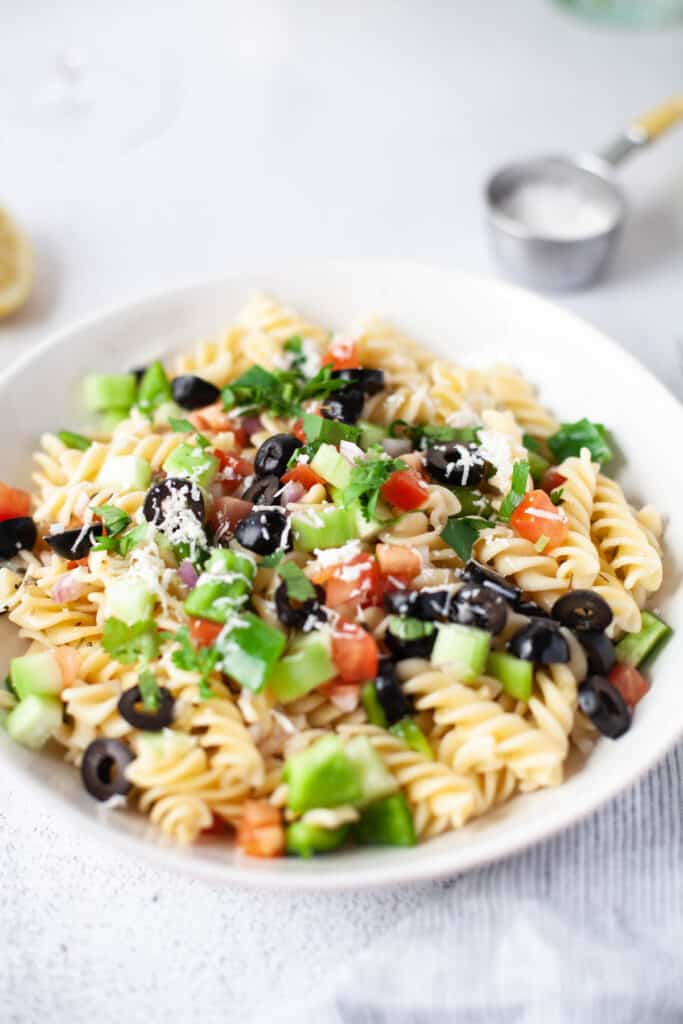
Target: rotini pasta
<point>320,606</point>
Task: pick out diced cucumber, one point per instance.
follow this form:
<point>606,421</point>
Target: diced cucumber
<point>407,730</point>
<point>370,434</point>
<point>155,388</point>
<point>387,822</point>
<point>376,780</point>
<point>537,466</point>
<point>304,840</point>
<point>634,648</point>
<point>193,461</point>
<point>36,673</point>
<point>331,466</point>
<point>167,410</point>
<point>406,628</point>
<point>367,529</point>
<point>463,647</point>
<point>308,664</point>
<point>109,420</point>
<point>225,561</point>
<point>250,651</point>
<point>216,601</point>
<point>373,708</point>
<point>33,720</point>
<point>472,503</point>
<point>327,527</point>
<point>317,428</point>
<point>516,675</point>
<point>129,600</point>
<point>322,776</point>
<point>125,473</point>
<point>103,391</point>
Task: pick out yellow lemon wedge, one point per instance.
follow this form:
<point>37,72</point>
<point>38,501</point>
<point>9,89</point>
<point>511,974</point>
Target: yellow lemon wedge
<point>16,265</point>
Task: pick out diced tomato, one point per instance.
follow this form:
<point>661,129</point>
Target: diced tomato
<point>536,517</point>
<point>69,662</point>
<point>298,431</point>
<point>354,652</point>
<point>303,475</point>
<point>552,479</point>
<point>227,513</point>
<point>629,682</point>
<point>218,827</point>
<point>13,503</point>
<point>233,470</point>
<point>395,560</point>
<point>74,563</point>
<point>405,489</point>
<point>215,419</point>
<point>260,832</point>
<point>342,355</point>
<point>203,632</point>
<point>356,580</point>
<point>345,696</point>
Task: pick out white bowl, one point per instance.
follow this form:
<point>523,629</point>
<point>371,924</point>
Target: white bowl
<point>579,371</point>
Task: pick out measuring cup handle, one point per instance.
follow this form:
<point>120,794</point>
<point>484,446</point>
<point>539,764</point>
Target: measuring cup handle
<point>644,130</point>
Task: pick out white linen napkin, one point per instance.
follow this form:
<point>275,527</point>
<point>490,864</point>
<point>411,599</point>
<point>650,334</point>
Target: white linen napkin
<point>585,927</point>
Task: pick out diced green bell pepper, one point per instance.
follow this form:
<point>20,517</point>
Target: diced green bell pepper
<point>250,650</point>
<point>304,840</point>
<point>317,428</point>
<point>307,665</point>
<point>387,822</point>
<point>407,730</point>
<point>376,780</point>
<point>463,647</point>
<point>634,648</point>
<point>194,462</point>
<point>322,776</point>
<point>328,527</point>
<point>372,706</point>
<point>155,388</point>
<point>515,674</point>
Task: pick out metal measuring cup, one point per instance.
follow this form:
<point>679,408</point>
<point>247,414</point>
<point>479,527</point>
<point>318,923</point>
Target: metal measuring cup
<point>574,251</point>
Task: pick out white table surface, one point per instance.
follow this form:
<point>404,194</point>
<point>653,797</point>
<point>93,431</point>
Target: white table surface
<point>286,131</point>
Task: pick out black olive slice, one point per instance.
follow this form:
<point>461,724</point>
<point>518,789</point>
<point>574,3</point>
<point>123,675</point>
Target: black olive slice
<point>605,707</point>
<point>274,454</point>
<point>582,609</point>
<point>475,572</point>
<point>131,708</point>
<point>103,768</point>
<point>542,642</point>
<point>345,405</point>
<point>19,534</point>
<point>477,605</point>
<point>599,652</point>
<point>74,544</point>
<point>297,613</point>
<point>402,602</point>
<point>531,609</point>
<point>409,638</point>
<point>265,490</point>
<point>261,531</point>
<point>192,392</point>
<point>456,464</point>
<point>369,381</point>
<point>395,703</point>
<point>162,498</point>
<point>433,604</point>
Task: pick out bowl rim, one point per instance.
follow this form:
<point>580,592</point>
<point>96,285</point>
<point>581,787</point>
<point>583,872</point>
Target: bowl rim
<point>246,872</point>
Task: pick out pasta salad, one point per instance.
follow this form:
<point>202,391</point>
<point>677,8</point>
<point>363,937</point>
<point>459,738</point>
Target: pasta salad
<point>313,590</point>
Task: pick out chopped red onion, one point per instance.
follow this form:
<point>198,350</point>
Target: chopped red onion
<point>69,587</point>
<point>188,573</point>
<point>291,492</point>
<point>252,424</point>
<point>396,446</point>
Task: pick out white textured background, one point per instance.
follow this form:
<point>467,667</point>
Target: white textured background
<point>267,132</point>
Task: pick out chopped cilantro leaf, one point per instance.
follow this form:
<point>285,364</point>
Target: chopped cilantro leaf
<point>424,436</point>
<point>556,495</point>
<point>123,543</point>
<point>299,587</point>
<point>461,532</point>
<point>572,437</point>
<point>195,659</point>
<point>115,519</point>
<point>367,479</point>
<point>531,443</point>
<point>72,440</point>
<point>295,347</point>
<point>180,426</point>
<point>520,475</point>
<point>128,644</point>
<point>149,690</point>
<point>281,391</point>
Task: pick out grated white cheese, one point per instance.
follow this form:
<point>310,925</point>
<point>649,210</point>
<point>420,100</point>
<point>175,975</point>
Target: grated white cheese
<point>497,449</point>
<point>327,557</point>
